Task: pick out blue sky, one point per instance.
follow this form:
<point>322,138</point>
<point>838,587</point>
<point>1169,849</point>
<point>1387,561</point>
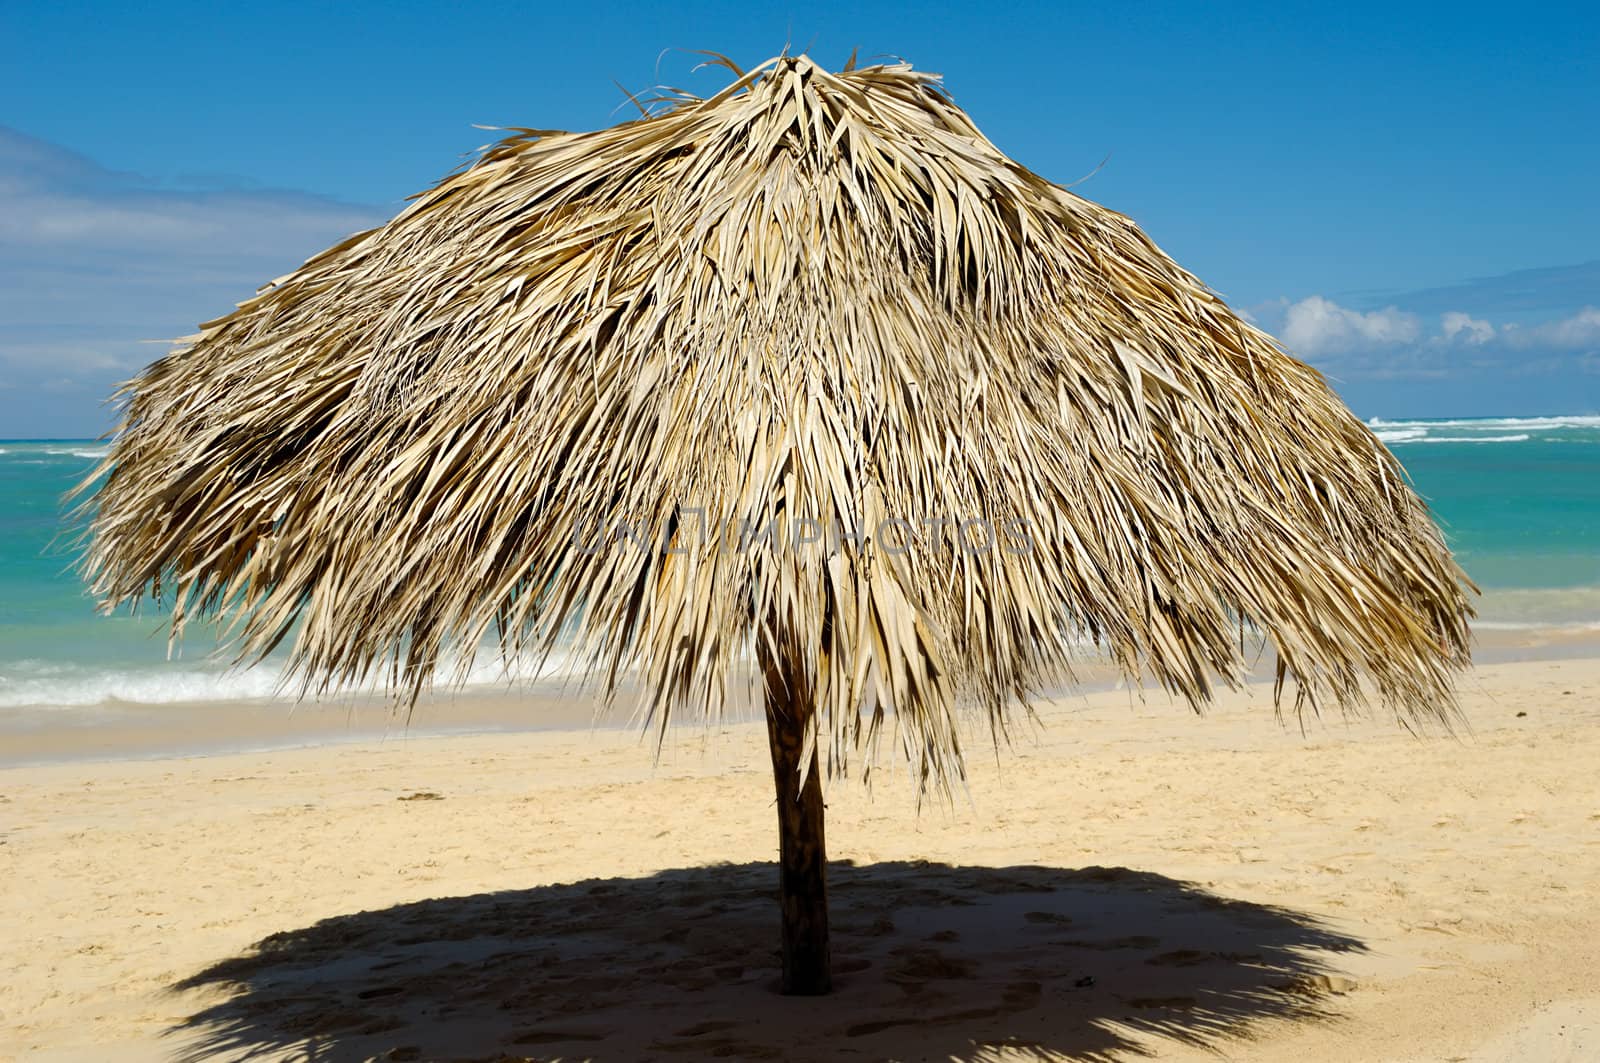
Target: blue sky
<point>1403,194</point>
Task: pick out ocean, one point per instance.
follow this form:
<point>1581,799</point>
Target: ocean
<point>1518,498</point>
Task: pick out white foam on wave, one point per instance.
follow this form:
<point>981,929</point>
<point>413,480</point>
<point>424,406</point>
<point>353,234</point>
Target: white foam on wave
<point>42,452</point>
<point>1423,437</point>
<point>1491,424</point>
<point>64,687</point>
<point>78,452</point>
<point>1480,430</point>
<point>37,684</point>
<point>1528,609</point>
<point>1566,627</point>
<point>1399,435</point>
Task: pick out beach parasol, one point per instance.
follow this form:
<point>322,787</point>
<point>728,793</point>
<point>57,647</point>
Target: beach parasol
<point>806,374</point>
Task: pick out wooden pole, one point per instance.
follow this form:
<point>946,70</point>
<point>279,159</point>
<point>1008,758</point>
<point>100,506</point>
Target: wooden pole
<point>802,855</point>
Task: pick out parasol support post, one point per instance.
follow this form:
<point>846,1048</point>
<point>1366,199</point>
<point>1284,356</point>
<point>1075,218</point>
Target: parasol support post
<point>802,854</point>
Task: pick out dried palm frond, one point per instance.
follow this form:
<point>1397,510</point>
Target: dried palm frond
<point>810,296</point>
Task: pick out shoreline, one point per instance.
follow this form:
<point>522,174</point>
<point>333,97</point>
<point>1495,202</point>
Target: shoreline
<point>1224,883</point>
<point>127,730</point>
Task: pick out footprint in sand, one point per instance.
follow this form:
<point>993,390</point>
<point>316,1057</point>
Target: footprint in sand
<point>1136,941</point>
<point>1171,1003</point>
<point>1048,917</point>
<point>921,965</point>
<point>550,1037</point>
<point>1314,985</point>
<point>1195,957</point>
<point>381,991</point>
<point>701,1028</point>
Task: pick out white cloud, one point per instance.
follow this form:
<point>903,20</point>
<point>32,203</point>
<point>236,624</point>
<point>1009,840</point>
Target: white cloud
<point>1396,344</point>
<point>1318,326</point>
<point>1458,326</point>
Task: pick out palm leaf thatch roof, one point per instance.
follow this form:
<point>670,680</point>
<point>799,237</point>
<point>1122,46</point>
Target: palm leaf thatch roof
<point>812,295</point>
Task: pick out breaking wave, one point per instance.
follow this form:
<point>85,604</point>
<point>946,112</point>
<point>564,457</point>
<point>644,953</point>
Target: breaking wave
<point>41,684</point>
<point>1583,428</point>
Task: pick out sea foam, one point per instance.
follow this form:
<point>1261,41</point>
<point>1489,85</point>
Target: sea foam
<point>39,684</point>
<point>1576,428</point>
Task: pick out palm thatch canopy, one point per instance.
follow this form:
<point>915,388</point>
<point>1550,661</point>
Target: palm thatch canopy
<point>597,386</point>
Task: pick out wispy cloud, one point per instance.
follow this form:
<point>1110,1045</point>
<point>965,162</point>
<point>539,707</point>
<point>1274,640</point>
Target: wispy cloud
<point>95,264</point>
<point>1545,291</point>
<point>1580,332</point>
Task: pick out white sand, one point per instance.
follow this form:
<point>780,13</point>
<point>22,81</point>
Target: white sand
<point>1133,877</point>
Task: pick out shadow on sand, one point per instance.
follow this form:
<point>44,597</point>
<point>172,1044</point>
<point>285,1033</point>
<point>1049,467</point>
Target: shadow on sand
<point>930,960</point>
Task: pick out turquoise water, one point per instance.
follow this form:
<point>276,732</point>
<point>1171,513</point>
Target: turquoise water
<point>1519,499</point>
<point>54,647</point>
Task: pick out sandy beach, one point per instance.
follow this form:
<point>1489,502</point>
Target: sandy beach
<point>1130,879</point>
